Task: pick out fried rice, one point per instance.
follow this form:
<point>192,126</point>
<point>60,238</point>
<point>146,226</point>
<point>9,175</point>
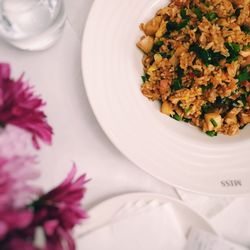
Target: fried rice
<point>196,63</point>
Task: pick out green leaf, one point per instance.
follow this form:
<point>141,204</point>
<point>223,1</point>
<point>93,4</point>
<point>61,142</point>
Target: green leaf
<point>233,49</point>
<point>244,75</point>
<point>245,29</point>
<point>176,85</point>
<point>207,56</point>
<point>211,16</point>
<point>176,117</point>
<point>211,133</point>
<point>197,11</point>
<point>157,46</point>
<point>206,108</point>
<point>215,124</point>
<point>183,13</point>
<point>145,78</point>
<point>187,120</point>
<point>207,87</point>
<point>237,12</point>
<point>197,72</point>
<point>174,26</point>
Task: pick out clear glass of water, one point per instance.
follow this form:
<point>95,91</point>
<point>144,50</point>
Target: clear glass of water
<point>32,24</point>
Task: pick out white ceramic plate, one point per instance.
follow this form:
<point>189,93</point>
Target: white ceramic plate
<point>105,211</point>
<point>172,151</point>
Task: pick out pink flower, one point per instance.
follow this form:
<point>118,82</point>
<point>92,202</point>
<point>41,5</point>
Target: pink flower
<point>19,107</point>
<point>15,141</point>
<point>15,174</point>
<point>14,220</point>
<point>60,210</point>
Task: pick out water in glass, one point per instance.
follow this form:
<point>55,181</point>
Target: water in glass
<point>31,24</point>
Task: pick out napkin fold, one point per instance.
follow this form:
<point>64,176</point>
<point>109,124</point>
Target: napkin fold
<point>201,240</point>
<point>154,227</point>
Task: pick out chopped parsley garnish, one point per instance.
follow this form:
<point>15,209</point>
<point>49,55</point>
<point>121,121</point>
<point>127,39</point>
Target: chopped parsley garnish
<point>177,83</point>
<point>187,120</point>
<point>233,49</point>
<point>174,26</point>
<point>215,124</point>
<point>207,87</point>
<point>211,16</point>
<point>197,11</point>
<point>243,126</point>
<point>183,13</point>
<point>197,72</point>
<point>206,108</point>
<point>244,75</point>
<point>145,77</point>
<point>245,29</point>
<point>211,133</point>
<point>157,46</point>
<point>237,12</point>
<point>207,56</point>
<point>176,117</point>
<point>165,55</point>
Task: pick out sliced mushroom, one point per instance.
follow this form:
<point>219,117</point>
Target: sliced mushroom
<point>151,27</point>
<point>146,44</point>
<point>231,117</point>
<point>167,109</point>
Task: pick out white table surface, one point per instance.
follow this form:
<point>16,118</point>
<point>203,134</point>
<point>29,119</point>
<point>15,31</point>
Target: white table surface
<point>56,75</point>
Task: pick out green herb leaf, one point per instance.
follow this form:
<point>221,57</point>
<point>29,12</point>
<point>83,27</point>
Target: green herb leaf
<point>211,133</point>
<point>197,11</point>
<point>245,29</point>
<point>176,85</point>
<point>197,72</point>
<point>215,124</point>
<point>187,120</point>
<point>174,26</point>
<point>206,87</point>
<point>183,13</point>
<point>207,56</point>
<point>206,108</point>
<point>244,75</point>
<point>233,49</point>
<point>237,12</point>
<point>145,78</point>
<point>157,46</point>
<point>211,16</point>
<point>176,117</point>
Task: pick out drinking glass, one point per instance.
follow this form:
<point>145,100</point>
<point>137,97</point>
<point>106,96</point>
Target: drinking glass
<point>32,24</point>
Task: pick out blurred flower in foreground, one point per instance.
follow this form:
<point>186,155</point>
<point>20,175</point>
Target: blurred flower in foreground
<point>15,188</point>
<point>15,141</point>
<point>49,220</point>
<point>19,107</point>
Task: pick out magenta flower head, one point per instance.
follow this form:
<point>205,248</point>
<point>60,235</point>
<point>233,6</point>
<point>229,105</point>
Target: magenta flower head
<point>60,210</point>
<point>19,107</point>
<point>16,191</point>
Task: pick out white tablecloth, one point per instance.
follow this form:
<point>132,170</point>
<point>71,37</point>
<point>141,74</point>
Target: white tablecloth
<point>56,75</point>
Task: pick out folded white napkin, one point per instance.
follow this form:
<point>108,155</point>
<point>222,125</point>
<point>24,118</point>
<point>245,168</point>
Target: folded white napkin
<point>201,240</point>
<point>149,229</point>
<point>229,216</point>
<point>234,221</point>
